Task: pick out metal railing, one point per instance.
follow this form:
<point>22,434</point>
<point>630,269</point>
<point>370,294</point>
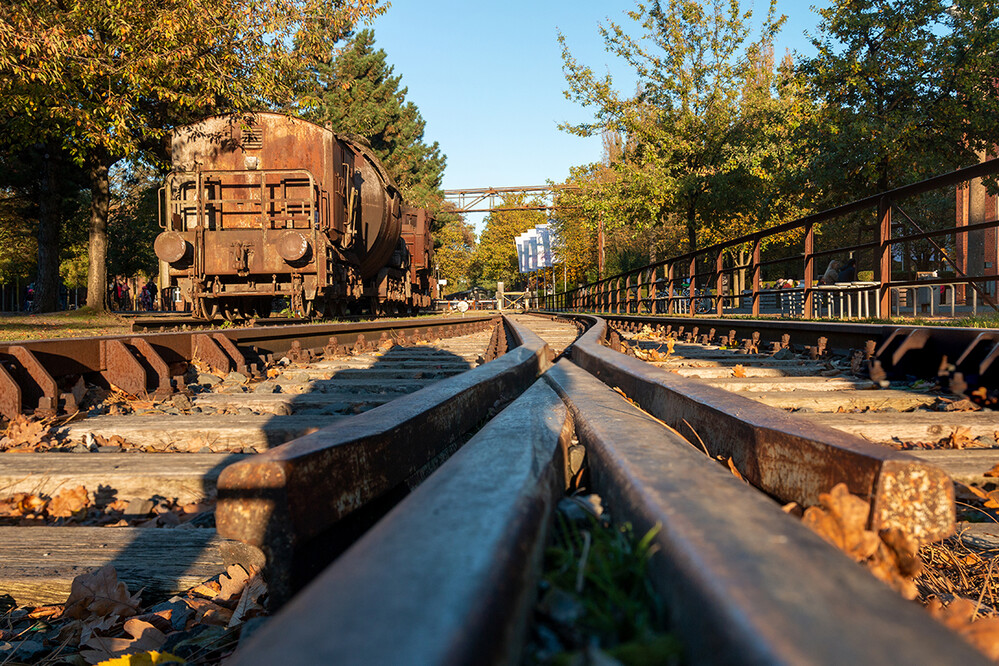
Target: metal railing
<point>695,282</point>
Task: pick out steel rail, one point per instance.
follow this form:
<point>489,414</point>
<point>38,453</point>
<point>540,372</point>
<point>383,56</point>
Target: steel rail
<point>448,576</point>
<point>304,502</point>
<point>744,582</point>
<point>926,352</point>
<point>43,374</point>
<point>785,457</point>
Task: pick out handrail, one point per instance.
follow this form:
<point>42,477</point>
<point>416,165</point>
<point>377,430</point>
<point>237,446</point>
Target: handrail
<point>640,289</point>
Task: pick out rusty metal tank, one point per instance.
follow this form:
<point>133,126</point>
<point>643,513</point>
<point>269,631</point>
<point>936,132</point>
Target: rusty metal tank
<point>381,210</point>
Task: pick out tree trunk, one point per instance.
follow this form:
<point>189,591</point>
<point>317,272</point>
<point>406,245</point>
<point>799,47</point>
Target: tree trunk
<point>97,269</point>
<point>49,222</point>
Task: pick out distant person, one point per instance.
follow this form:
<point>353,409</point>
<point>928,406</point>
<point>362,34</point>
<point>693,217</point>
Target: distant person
<point>849,271</point>
<point>29,297</point>
<point>832,272</point>
<point>152,294</point>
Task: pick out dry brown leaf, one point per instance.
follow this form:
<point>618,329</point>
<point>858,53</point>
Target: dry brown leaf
<point>964,405</point>
<point>994,471</point>
<point>959,616</point>
<point>734,470</point>
<point>145,637</point>
<point>738,371</point>
<point>69,502</point>
<point>100,593</point>
<point>959,439</point>
<point>19,505</point>
<point>232,583</point>
<point>43,612</point>
<point>892,556</point>
<point>209,612</point>
<point>841,519</point>
<point>208,590</point>
<point>25,432</point>
<point>249,604</point>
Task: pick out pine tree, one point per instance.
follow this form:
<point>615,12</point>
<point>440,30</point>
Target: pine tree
<point>358,93</point>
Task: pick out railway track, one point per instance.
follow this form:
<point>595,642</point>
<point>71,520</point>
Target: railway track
<point>401,498</point>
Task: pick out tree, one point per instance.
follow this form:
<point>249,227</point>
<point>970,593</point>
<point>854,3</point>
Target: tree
<point>107,79</point>
<point>454,249</point>
<point>684,129</point>
<point>46,184</point>
<point>133,217</point>
<point>357,93</point>
<point>902,87</point>
<point>496,254</point>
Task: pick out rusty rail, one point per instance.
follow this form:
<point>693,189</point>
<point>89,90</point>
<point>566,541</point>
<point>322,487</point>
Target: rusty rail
<point>745,583</point>
<point>304,502</point>
<point>447,576</point>
<point>43,376</point>
<point>786,458</point>
<point>947,353</point>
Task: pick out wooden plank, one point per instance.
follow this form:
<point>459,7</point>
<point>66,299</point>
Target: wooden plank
<point>188,477</point>
<point>920,426</point>
<point>713,370</point>
<point>40,563</point>
<point>792,383</point>
<point>219,433</point>
<point>830,401</point>
<point>967,466</point>
<point>275,402</point>
<point>424,375</point>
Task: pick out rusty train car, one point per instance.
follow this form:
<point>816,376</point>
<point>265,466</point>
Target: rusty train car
<point>266,206</point>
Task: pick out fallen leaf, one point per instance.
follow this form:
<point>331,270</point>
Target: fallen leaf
<point>960,615</point>
<point>964,405</point>
<point>145,637</point>
<point>100,593</point>
<point>69,502</point>
<point>959,439</point>
<point>43,612</point>
<point>738,371</point>
<point>19,505</point>
<point>841,519</point>
<point>232,583</point>
<point>143,659</point>
<point>209,612</point>
<point>249,604</point>
<point>734,470</point>
<point>994,471</point>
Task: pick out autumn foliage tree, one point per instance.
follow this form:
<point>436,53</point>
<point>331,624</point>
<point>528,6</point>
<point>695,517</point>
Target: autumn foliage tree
<point>685,127</point>
<point>905,89</point>
<point>107,79</point>
<point>358,93</point>
<point>454,249</point>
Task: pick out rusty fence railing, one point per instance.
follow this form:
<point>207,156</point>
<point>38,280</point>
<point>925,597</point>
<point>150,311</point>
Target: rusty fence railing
<point>786,281</point>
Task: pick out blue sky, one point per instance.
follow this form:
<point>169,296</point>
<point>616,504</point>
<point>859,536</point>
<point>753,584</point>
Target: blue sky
<point>487,78</point>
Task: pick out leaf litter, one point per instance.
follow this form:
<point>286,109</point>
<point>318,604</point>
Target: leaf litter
<point>103,622</point>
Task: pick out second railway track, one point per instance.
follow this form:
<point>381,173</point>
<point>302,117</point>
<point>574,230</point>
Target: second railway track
<point>401,497</point>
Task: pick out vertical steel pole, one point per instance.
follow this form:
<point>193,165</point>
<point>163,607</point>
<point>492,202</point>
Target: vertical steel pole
<point>809,270</point>
<point>719,282</point>
<point>757,270</point>
<point>692,305</point>
<point>884,264</point>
